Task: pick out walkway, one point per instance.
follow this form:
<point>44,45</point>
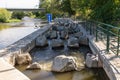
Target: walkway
<point>111,60</point>
<point>8,72</point>
<point>105,44</point>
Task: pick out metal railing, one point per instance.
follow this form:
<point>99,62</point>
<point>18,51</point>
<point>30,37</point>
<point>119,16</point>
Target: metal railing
<point>108,34</point>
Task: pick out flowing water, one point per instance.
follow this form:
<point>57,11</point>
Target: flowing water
<point>12,32</point>
<point>45,57</point>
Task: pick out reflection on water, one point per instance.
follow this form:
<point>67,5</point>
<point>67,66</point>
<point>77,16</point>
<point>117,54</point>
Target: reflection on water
<point>4,26</point>
<point>45,57</point>
<point>10,34</point>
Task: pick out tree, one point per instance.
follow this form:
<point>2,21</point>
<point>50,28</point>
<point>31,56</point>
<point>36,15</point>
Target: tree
<point>4,15</point>
<point>51,6</point>
<point>67,7</point>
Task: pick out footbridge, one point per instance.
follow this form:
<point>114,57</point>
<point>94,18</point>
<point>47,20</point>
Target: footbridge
<point>104,41</point>
<point>25,9</point>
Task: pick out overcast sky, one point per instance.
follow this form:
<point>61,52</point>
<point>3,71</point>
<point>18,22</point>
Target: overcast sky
<point>19,3</point>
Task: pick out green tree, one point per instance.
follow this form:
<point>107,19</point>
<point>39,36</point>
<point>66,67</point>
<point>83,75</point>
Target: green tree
<point>107,11</point>
<point>51,6</point>
<point>18,15</point>
<point>4,15</point>
<point>67,7</point>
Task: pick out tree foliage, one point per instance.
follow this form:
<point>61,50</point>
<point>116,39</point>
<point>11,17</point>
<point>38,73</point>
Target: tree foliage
<point>20,15</point>
<point>4,15</point>
<point>106,11</point>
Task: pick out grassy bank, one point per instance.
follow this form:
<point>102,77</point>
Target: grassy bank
<point>13,20</point>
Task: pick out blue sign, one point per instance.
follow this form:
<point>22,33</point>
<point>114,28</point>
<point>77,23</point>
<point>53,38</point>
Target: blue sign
<point>49,17</point>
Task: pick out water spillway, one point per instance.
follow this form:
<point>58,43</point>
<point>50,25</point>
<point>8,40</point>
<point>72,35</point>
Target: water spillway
<point>45,53</point>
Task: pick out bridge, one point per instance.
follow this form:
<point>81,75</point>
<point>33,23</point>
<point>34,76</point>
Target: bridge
<point>26,10</point>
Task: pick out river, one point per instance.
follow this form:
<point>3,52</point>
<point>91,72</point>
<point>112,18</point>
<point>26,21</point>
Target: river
<point>12,32</point>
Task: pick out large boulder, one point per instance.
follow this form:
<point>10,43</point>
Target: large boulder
<point>64,63</point>
<point>23,59</point>
<point>41,41</point>
<point>73,42</point>
<point>34,65</point>
<point>56,43</point>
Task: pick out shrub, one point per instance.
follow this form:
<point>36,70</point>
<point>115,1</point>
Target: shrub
<point>18,15</point>
<point>4,15</point>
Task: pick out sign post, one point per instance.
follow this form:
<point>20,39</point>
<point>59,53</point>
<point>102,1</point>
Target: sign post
<point>49,17</point>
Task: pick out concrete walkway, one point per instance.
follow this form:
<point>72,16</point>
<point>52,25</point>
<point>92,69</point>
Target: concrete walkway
<point>110,61</point>
<point>8,72</point>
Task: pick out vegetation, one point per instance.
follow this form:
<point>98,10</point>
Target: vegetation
<point>13,20</point>
<point>20,15</point>
<point>4,15</point>
<point>107,11</point>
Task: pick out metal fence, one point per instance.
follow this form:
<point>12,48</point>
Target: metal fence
<point>108,34</point>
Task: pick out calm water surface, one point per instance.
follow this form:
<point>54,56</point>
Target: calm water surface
<point>10,33</point>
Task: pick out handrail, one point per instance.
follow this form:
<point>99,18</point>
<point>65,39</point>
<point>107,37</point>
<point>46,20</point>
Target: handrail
<point>104,32</point>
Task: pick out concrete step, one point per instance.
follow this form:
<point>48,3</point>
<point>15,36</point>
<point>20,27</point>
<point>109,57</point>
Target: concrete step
<point>8,72</point>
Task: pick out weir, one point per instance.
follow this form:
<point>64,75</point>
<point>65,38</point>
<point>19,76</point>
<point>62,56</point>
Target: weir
<point>99,50</point>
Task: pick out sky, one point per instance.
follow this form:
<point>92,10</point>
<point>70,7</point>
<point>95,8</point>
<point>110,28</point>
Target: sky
<point>19,3</point>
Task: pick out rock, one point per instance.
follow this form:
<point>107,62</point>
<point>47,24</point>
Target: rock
<point>63,35</point>
<point>78,34</point>
<point>91,61</point>
<point>34,65</point>
<point>47,34</point>
<point>41,41</point>
<point>63,63</point>
<point>54,27</point>
<point>53,34</point>
<point>23,59</point>
<point>55,43</point>
<point>83,40</point>
<point>77,28</point>
<point>60,28</point>
<point>73,42</point>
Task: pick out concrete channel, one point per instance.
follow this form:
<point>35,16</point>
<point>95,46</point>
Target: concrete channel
<point>7,56</point>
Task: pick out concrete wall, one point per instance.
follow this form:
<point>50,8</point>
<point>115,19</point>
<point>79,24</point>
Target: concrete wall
<point>104,60</point>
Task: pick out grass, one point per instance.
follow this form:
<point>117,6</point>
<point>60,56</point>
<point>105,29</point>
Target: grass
<point>13,20</point>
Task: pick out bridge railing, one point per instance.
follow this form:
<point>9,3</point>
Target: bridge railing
<point>108,34</point>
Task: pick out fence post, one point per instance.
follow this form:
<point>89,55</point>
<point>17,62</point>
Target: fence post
<point>96,33</point>
<point>118,43</point>
<point>108,39</point>
<point>90,26</point>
